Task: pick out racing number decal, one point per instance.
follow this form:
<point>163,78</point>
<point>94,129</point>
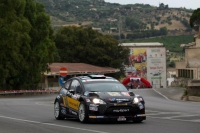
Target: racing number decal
<point>72,103</point>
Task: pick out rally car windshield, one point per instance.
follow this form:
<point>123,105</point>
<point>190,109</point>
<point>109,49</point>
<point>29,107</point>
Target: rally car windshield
<point>105,87</point>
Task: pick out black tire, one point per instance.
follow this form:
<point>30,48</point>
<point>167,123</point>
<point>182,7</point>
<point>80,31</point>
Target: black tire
<point>82,113</point>
<point>57,111</point>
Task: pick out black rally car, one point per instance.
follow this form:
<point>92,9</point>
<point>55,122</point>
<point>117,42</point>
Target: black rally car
<point>98,97</point>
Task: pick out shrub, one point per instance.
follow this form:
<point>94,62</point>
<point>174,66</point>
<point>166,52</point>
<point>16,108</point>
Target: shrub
<point>185,93</point>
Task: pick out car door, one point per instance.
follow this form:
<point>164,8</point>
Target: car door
<point>72,99</point>
<point>64,93</point>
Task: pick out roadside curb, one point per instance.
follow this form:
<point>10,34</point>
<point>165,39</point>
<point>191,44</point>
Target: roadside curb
<point>176,94</point>
<point>194,98</point>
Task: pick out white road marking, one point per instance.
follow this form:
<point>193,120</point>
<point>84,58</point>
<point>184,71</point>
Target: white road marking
<point>151,111</point>
<point>175,119</point>
<point>196,120</point>
<point>169,112</point>
<point>179,116</point>
<point>50,124</point>
<point>157,115</point>
<point>161,113</point>
<point>161,94</point>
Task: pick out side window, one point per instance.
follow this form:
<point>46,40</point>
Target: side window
<point>78,89</point>
<point>63,91</point>
<point>76,86</point>
<point>67,84</point>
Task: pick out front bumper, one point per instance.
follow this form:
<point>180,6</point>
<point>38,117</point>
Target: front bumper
<point>137,117</point>
<point>117,112</point>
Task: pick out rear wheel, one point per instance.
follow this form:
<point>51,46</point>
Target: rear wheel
<point>82,113</point>
<point>57,111</point>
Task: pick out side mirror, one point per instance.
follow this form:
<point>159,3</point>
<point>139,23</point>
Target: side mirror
<point>131,93</point>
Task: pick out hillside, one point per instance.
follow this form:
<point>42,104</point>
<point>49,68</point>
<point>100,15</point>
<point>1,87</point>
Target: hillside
<point>172,43</point>
<point>111,17</point>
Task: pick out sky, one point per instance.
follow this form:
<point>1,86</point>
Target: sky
<point>188,4</point>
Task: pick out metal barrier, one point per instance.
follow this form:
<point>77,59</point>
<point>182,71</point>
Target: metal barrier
<point>7,92</point>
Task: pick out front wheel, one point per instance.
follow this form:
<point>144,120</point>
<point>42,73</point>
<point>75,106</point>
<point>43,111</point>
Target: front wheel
<point>57,111</point>
<point>82,113</point>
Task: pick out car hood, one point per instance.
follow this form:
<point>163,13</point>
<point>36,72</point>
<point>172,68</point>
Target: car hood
<point>112,97</point>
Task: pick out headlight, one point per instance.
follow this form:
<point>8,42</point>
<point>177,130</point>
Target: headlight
<point>98,101</point>
<point>135,100</point>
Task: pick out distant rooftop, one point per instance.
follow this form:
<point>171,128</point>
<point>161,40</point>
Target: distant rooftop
<point>79,68</point>
<point>150,44</point>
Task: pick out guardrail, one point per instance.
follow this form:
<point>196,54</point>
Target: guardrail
<point>9,92</point>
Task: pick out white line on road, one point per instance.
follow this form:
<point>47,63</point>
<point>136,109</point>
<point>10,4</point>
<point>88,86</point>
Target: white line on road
<point>196,120</point>
<point>151,111</point>
<point>164,113</point>
<point>179,116</point>
<point>49,124</point>
<point>174,119</point>
<point>161,94</point>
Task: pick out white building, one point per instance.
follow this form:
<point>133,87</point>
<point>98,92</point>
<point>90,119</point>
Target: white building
<point>149,61</point>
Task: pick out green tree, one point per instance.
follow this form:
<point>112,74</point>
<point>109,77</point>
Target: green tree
<point>195,19</point>
<point>26,43</point>
<point>78,44</point>
<point>152,26</point>
<point>163,31</point>
<point>172,64</point>
<point>42,41</point>
<point>135,24</point>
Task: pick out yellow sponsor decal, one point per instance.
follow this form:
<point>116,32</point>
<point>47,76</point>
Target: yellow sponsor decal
<point>114,93</point>
<point>139,115</point>
<point>92,116</point>
<point>65,100</point>
<point>72,103</point>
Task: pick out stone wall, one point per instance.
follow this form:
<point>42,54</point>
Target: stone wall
<point>179,82</point>
<point>193,91</point>
<point>187,83</point>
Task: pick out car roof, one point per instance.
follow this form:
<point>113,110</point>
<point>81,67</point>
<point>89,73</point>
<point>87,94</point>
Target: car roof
<point>96,78</point>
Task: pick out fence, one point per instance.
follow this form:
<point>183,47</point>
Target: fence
<point>9,92</point>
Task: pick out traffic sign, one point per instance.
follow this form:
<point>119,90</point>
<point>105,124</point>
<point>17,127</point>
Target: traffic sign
<point>61,81</point>
<point>63,71</point>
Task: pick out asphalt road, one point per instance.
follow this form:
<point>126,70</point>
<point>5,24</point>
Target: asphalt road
<point>34,114</point>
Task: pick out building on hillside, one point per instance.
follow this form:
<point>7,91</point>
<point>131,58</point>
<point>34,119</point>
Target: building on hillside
<point>189,70</point>
<point>147,60</point>
<point>97,29</point>
<point>93,9</point>
<point>51,79</point>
